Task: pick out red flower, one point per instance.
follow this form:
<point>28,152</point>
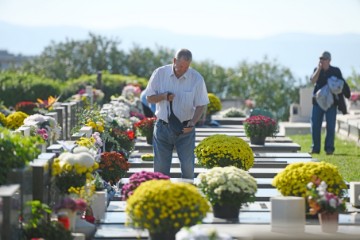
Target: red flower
<point>146,126</point>
<point>260,125</point>
<point>130,134</point>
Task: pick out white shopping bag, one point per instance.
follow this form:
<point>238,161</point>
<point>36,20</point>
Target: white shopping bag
<point>324,97</point>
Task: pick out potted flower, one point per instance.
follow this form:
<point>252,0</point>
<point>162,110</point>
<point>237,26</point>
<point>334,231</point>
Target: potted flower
<point>213,107</point>
<point>38,227</point>
<point>16,152</point>
<point>258,127</point>
<point>326,204</point>
<point>289,183</point>
<point>221,150</point>
<point>71,170</point>
<point>70,207</point>
<point>15,120</point>
<point>227,189</point>
<point>214,104</point>
<point>163,208</point>
<point>113,166</point>
<point>136,179</point>
<point>146,128</point>
<point>118,136</point>
<point>44,126</point>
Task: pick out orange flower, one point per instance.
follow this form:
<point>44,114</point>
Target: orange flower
<point>113,166</point>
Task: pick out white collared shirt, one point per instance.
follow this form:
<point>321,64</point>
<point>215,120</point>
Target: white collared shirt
<point>190,92</point>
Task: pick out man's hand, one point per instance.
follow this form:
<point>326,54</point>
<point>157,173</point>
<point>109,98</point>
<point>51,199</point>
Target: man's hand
<point>189,127</point>
<point>319,65</point>
<point>170,97</point>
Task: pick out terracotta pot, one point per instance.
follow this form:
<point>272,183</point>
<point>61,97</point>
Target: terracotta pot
<point>329,222</point>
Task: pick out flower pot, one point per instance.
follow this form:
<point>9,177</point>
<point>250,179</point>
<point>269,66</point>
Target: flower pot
<point>226,211</point>
<point>168,235</point>
<point>71,216</point>
<point>257,140</point>
<point>329,222</point>
<point>99,204</point>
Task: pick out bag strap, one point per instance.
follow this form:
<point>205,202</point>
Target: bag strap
<point>171,108</point>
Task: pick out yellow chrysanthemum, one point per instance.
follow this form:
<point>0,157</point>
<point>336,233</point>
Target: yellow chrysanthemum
<point>293,179</point>
<point>167,203</point>
<point>221,150</point>
<point>15,120</point>
<point>214,104</point>
<point>2,119</point>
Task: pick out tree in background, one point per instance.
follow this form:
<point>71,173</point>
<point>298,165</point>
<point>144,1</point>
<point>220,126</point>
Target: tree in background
<point>354,81</point>
<point>69,60</point>
<point>63,61</point>
<point>269,84</point>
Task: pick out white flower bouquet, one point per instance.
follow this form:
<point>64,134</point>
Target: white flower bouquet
<point>228,185</point>
<point>45,126</point>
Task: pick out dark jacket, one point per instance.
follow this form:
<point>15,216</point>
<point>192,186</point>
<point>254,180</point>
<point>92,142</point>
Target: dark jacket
<point>341,98</point>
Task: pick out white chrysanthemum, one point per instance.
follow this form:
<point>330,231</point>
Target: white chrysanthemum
<point>81,155</point>
<point>37,118</point>
<point>84,159</point>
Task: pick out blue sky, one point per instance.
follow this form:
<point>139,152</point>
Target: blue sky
<point>246,19</point>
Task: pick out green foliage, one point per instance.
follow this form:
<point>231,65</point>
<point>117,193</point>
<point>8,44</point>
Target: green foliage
<point>16,151</point>
<point>354,81</point>
<point>142,62</point>
<point>260,111</point>
<point>234,112</point>
<point>16,87</point>
<point>39,227</point>
<point>38,210</point>
<point>269,84</point>
<point>72,59</point>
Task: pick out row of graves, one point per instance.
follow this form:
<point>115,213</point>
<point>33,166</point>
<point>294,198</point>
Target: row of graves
<point>74,181</point>
<point>270,216</point>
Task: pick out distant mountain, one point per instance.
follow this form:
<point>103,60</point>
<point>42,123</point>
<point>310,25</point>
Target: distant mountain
<point>297,51</point>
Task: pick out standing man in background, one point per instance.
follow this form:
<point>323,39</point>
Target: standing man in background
<point>320,77</point>
<point>186,89</point>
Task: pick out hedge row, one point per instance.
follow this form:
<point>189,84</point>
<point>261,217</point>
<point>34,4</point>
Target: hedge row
<point>16,87</point>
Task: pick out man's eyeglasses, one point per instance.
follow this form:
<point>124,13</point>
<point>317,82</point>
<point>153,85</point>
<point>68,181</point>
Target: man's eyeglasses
<point>324,58</point>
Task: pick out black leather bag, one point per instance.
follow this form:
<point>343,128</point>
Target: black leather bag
<point>174,123</point>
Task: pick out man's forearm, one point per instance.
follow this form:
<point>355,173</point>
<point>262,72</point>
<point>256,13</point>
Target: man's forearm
<point>157,98</point>
<point>315,76</point>
<point>198,112</point>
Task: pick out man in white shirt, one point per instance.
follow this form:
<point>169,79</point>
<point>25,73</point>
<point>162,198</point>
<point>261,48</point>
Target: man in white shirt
<point>186,89</point>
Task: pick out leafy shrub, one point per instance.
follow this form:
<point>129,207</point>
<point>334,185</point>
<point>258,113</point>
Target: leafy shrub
<point>17,87</point>
<point>234,112</point>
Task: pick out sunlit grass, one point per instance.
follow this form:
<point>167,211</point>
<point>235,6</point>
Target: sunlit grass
<point>346,156</point>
